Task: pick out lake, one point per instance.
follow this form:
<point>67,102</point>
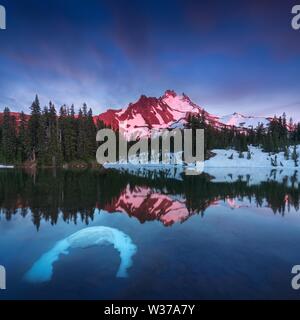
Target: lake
<point>116,235</point>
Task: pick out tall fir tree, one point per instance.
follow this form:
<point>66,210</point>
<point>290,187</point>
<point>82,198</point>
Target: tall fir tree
<point>90,136</point>
<point>55,144</point>
<point>23,139</point>
<point>8,138</point>
<point>35,129</point>
<point>81,135</point>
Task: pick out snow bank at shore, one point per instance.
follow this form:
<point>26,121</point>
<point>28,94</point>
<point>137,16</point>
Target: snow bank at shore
<point>227,166</point>
<point>255,176</point>
<point>225,158</point>
<point>2,166</point>
<point>259,159</point>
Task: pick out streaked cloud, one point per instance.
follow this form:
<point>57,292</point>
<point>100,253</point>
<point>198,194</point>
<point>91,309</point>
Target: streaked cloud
<point>229,56</point>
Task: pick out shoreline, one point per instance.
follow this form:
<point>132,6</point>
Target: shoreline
<point>34,166</point>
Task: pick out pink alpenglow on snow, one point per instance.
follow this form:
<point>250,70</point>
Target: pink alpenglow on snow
<point>169,111</point>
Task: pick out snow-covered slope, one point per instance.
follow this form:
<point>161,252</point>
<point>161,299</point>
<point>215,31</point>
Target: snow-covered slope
<point>169,111</point>
<point>241,121</point>
<point>259,159</point>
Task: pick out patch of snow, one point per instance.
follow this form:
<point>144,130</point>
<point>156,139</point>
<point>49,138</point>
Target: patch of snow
<point>239,120</point>
<point>179,104</point>
<point>259,159</point>
<point>3,166</point>
<point>255,176</point>
<point>223,169</point>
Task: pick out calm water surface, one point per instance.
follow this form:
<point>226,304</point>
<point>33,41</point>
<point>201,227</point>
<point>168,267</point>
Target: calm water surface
<point>86,235</point>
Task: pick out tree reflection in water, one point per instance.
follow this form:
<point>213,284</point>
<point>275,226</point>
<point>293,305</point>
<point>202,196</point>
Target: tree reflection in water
<point>48,194</point>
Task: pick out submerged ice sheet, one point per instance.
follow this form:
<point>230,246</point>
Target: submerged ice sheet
<point>42,269</point>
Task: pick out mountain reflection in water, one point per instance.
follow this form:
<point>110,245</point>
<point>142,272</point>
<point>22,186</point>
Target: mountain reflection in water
<point>47,195</point>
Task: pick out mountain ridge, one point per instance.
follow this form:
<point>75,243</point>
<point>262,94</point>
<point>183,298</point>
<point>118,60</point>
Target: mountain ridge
<point>171,110</point>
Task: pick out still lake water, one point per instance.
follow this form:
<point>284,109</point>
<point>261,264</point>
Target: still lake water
<point>85,235</point>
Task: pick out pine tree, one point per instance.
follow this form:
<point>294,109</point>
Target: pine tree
<point>70,135</point>
<point>295,156</point>
<point>286,153</point>
<point>23,139</point>
<point>55,145</point>
<point>81,135</point>
<point>297,135</point>
<point>274,161</point>
<point>291,132</point>
<point>284,131</point>
<point>90,135</point>
<point>35,129</point>
<point>8,138</point>
<point>248,155</point>
<point>44,138</point>
<point>62,138</point>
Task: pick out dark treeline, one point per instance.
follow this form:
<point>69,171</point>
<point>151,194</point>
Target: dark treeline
<point>48,137</point>
<point>75,194</point>
<point>278,136</point>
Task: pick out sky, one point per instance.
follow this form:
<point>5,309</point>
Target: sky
<point>227,56</point>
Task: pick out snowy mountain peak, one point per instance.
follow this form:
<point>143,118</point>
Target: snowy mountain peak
<point>241,121</point>
<point>236,114</point>
<point>169,111</point>
<point>152,113</point>
<point>169,93</point>
<point>171,96</point>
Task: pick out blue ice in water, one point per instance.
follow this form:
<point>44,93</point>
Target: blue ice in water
<point>42,269</point>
